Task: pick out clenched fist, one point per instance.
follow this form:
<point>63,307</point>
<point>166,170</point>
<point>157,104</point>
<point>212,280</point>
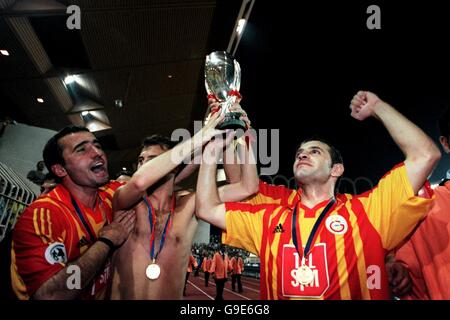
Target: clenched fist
<point>363,105</point>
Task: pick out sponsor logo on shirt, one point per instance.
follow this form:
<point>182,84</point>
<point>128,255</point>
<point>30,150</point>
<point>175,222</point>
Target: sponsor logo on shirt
<point>317,262</point>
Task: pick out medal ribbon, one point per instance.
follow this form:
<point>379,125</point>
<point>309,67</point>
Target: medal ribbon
<point>86,225</point>
<point>312,235</point>
<point>152,219</point>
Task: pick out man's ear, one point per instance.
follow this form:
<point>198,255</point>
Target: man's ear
<point>59,170</point>
<point>337,170</point>
<point>444,142</point>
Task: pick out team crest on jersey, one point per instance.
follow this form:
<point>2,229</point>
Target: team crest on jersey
<point>336,224</point>
<point>56,253</point>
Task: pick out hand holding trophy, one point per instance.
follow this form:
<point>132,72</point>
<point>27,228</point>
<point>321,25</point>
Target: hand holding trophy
<point>222,82</point>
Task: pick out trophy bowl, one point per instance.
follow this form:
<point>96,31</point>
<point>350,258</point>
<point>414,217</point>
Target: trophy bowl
<point>223,81</point>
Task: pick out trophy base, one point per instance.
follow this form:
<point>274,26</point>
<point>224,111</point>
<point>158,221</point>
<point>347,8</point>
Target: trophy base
<point>232,121</point>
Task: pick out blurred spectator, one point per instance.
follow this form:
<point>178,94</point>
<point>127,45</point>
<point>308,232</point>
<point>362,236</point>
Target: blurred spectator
<point>191,263</point>
<point>37,176</point>
<point>219,268</point>
<point>206,265</point>
<point>236,266</point>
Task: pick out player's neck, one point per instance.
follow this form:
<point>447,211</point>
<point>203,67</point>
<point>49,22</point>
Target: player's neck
<point>312,194</point>
<point>86,195</point>
<point>161,198</point>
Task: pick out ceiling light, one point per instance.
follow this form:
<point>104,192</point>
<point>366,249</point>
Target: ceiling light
<point>40,100</point>
<point>124,169</point>
<point>118,103</point>
<point>96,125</point>
<point>4,52</point>
<point>240,26</point>
<point>69,79</point>
<point>85,113</point>
<point>170,76</point>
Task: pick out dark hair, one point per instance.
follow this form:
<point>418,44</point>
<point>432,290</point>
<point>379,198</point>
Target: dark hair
<point>444,124</point>
<point>158,140</point>
<point>52,153</point>
<point>335,155</point>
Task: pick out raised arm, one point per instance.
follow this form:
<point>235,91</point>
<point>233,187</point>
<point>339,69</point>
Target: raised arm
<point>152,171</point>
<point>209,207</point>
<point>209,199</point>
<point>239,163</point>
<point>420,151</point>
<point>248,182</point>
<point>232,168</point>
<point>231,165</point>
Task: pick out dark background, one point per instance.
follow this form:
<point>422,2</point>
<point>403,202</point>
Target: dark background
<point>302,63</point>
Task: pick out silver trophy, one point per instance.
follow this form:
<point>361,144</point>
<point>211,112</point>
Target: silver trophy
<point>222,81</point>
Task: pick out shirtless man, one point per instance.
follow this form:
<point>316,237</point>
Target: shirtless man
<point>151,192</point>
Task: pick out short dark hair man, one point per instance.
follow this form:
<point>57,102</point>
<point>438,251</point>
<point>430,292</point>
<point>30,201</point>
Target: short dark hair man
<point>317,245</point>
<point>70,231</point>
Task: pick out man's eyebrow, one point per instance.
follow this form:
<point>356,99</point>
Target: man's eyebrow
<point>95,141</point>
<point>80,144</point>
<point>313,147</point>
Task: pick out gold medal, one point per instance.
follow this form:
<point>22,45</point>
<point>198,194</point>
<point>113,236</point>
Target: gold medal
<point>305,275</point>
<point>153,271</point>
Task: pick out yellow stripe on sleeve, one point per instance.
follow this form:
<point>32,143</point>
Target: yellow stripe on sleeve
<point>36,226</point>
<point>42,216</point>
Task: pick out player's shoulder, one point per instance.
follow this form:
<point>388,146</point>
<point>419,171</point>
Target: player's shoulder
<point>109,188</point>
<point>42,209</point>
<point>111,185</point>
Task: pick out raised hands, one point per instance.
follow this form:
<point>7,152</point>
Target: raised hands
<point>215,107</point>
<point>363,105</point>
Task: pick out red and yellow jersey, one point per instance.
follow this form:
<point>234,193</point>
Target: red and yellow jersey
<point>348,255</point>
<point>269,193</point>
<point>49,233</point>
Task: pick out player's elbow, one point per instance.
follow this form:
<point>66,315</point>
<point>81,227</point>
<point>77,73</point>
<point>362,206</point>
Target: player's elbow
<point>434,155</point>
<point>202,207</point>
<point>252,187</point>
<point>139,183</point>
<point>430,156</point>
<point>427,156</point>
